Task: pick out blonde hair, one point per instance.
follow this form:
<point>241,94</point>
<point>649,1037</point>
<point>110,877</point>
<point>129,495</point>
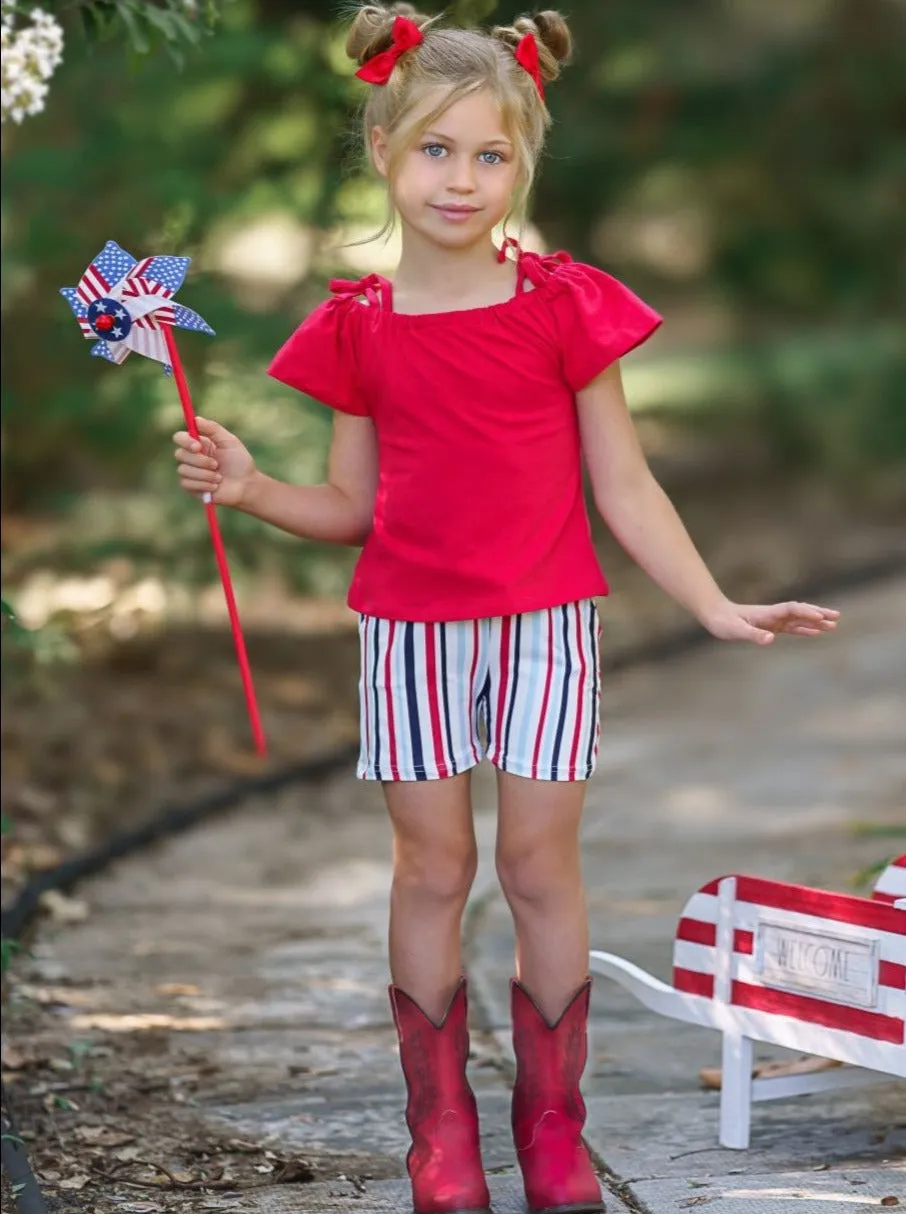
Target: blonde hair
<point>461,61</point>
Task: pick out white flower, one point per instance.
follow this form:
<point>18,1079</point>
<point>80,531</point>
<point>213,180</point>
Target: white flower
<point>30,56</point>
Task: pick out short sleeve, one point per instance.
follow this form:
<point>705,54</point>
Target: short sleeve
<point>320,359</point>
<point>599,319</point>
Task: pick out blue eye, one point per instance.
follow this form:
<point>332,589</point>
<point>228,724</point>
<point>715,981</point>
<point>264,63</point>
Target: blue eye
<point>434,150</point>
<point>491,158</point>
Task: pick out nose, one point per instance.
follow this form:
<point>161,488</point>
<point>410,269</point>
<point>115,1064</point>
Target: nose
<point>462,175</point>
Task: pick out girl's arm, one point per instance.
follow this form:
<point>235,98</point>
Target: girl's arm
<point>341,510</point>
<point>643,519</point>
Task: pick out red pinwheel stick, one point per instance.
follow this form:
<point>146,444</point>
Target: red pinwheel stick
<point>219,551</point>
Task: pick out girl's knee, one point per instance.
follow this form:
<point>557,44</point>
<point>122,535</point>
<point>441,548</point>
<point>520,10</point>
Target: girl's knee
<point>535,875</point>
<point>442,874</point>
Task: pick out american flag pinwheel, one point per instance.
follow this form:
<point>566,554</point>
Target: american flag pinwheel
<point>123,304</point>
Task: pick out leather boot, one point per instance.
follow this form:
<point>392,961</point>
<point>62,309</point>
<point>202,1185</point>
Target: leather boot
<point>548,1109</point>
<point>444,1160</point>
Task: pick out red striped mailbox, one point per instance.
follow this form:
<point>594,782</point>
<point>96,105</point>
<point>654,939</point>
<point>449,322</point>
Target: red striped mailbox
<point>818,972</point>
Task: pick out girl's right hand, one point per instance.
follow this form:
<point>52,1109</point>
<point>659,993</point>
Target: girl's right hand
<point>215,463</point>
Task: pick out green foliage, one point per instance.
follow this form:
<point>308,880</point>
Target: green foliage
<point>16,634</point>
<point>8,949</point>
<point>161,161</point>
<point>143,25</point>
<point>172,21</point>
<point>737,164</point>
<point>29,648</point>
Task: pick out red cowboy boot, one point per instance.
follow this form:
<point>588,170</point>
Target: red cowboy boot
<point>548,1109</point>
<point>444,1160</point>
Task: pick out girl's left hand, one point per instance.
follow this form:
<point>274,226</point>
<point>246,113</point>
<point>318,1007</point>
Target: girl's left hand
<point>745,622</point>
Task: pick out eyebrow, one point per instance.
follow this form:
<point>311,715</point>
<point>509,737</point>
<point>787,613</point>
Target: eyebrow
<point>484,142</point>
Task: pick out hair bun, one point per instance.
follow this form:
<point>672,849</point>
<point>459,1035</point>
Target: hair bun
<point>372,29</point>
<point>552,35</point>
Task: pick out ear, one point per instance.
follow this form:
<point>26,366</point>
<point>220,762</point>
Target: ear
<point>379,151</point>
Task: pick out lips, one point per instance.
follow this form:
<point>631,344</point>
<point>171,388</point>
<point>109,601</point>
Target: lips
<point>454,210</point>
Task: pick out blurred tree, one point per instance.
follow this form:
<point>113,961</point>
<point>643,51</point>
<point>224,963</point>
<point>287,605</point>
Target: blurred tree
<point>157,159</point>
<point>740,163</point>
<point>33,38</point>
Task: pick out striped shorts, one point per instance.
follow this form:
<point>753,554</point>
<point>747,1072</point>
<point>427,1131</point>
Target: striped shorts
<point>522,690</point>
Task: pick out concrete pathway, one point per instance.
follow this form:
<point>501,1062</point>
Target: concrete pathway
<point>261,937</point>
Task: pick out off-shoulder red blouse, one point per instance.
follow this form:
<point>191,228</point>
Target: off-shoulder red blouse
<point>480,510</point>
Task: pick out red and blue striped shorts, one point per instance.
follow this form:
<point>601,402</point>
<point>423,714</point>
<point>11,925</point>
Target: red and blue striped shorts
<point>522,690</point>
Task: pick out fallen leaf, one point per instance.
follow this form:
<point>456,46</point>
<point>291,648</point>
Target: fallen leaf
<point>13,860</point>
<point>177,988</point>
<point>242,1147</point>
<point>127,1154</point>
<point>133,1022</point>
<point>313,1072</point>
<point>102,1136</point>
<point>35,800</point>
<point>295,1171</point>
<point>16,1058</point>
<point>72,833</point>
<point>66,997</point>
<point>63,909</point>
<point>75,1182</point>
<point>40,857</point>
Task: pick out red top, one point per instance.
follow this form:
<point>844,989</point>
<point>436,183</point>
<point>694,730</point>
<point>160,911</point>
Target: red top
<point>480,509</point>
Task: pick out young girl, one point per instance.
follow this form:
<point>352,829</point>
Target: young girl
<point>468,391</point>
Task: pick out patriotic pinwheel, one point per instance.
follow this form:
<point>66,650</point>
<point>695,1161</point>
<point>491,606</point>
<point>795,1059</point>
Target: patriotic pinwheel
<point>121,305</point>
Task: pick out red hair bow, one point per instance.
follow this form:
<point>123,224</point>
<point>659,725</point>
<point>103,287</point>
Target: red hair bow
<point>527,56</point>
<point>406,36</point>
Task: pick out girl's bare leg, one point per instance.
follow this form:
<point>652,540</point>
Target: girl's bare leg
<point>435,858</point>
<point>540,872</point>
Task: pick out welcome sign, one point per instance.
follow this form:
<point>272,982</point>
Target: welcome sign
<point>811,970</point>
<point>807,961</point>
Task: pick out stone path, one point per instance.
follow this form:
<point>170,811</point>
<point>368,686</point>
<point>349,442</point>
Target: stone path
<point>261,938</point>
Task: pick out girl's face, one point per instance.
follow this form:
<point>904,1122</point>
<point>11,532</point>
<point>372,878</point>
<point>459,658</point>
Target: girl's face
<point>456,182</point>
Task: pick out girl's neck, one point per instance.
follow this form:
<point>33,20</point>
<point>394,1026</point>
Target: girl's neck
<point>429,272</point>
